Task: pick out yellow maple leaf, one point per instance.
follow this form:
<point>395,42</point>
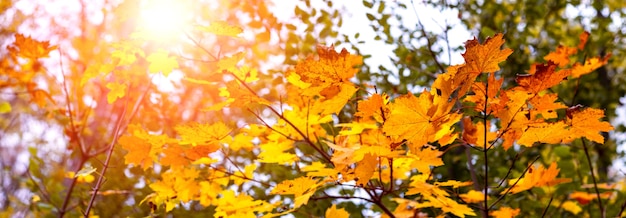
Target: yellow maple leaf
<point>485,57</point>
<point>318,169</point>
<point>195,134</point>
<point>221,28</point>
<point>585,122</point>
<point>551,133</point>
<point>276,152</point>
<point>473,196</point>
<point>335,212</point>
<point>302,188</point>
<point>418,120</point>
<point>125,53</point>
<point>160,61</point>
<point>374,107</point>
<point>365,169</point>
<point>240,177</point>
<point>537,177</point>
<point>505,212</point>
<point>572,207</point>
<point>117,90</point>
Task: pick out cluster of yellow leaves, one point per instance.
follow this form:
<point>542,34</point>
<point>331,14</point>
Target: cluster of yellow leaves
<point>388,140</point>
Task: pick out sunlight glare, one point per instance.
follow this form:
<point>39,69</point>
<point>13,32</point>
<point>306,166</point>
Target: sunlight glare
<point>162,19</point>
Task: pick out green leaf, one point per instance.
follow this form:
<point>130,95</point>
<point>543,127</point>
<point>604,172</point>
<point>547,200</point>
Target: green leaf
<point>85,171</point>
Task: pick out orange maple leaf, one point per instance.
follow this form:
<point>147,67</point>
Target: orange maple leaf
<point>485,58</point>
<point>505,212</point>
<point>27,47</point>
<point>375,106</point>
<point>537,177</point>
<point>541,77</point>
<point>138,151</point>
<point>561,55</point>
<point>328,72</point>
<point>589,66</point>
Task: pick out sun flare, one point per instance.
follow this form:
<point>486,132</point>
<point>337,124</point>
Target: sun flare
<point>163,19</point>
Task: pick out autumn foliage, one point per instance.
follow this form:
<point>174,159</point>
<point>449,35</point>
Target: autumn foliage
<point>340,140</point>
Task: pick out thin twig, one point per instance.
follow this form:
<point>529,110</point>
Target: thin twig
<point>304,136</point>
<point>118,127</point>
<point>430,49</point>
<point>545,210</point>
<point>515,183</point>
<point>593,177</point>
<point>485,150</point>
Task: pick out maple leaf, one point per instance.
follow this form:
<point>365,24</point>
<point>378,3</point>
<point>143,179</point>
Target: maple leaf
<point>138,151</point>
<point>505,212</point>
<point>318,169</point>
<point>586,123</point>
<point>481,93</point>
<point>336,212</point>
<point>302,188</point>
<point>161,62</point>
<point>537,177</point>
<point>221,28</point>
<point>230,62</point>
<point>118,90</point>
<point>584,198</point>
<point>334,104</point>
<point>417,120</point>
<point>589,66</point>
<point>240,177</point>
<point>551,133</point>
<point>448,205</point>
<point>541,77</point>
<point>561,55</point>
<point>572,207</point>
<point>475,134</point>
<point>355,128</point>
<point>365,169</point>
<point>195,134</point>
<point>125,53</point>
<point>27,47</point>
<point>275,152</point>
<point>545,106</point>
<point>485,57</point>
<point>327,73</point>
<point>174,156</point>
<point>473,196</point>
<point>375,107</point>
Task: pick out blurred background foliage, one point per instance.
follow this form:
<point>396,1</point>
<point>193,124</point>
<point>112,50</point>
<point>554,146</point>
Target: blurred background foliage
<point>403,52</point>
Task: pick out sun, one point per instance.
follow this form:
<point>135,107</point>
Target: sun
<point>163,19</point>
